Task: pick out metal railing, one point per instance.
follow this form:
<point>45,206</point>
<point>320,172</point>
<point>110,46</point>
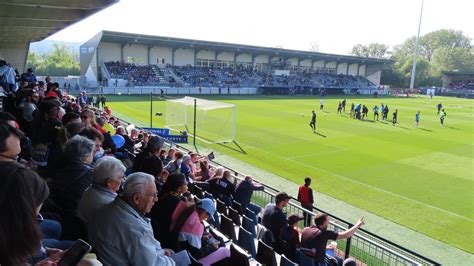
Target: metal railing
<point>365,247</point>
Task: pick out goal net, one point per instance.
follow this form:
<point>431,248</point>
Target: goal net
<point>215,121</point>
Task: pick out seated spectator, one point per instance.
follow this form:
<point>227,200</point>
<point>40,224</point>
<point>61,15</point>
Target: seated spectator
<point>171,194</point>
<point>71,181</point>
<point>291,236</point>
<point>129,145</point>
<point>98,138</point>
<point>317,236</point>
<point>10,146</point>
<point>108,174</point>
<point>169,157</point>
<point>189,230</point>
<point>204,171</point>
<point>152,148</point>
<point>22,195</point>
<point>244,192</point>
<point>71,117</point>
<point>275,220</point>
<point>222,188</point>
<point>174,165</point>
<point>122,235</point>
<point>186,169</point>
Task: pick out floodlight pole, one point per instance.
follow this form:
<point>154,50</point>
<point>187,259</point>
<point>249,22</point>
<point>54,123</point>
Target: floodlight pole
<point>413,71</point>
<point>151,109</point>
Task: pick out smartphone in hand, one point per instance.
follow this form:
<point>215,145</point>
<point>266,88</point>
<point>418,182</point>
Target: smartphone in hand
<point>75,254</point>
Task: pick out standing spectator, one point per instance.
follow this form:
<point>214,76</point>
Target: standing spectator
<point>122,235</point>
<point>28,76</point>
<point>305,197</point>
<point>29,105</point>
<point>244,192</point>
<point>275,220</point>
<point>317,236</point>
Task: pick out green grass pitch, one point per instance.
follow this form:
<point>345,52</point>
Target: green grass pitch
<point>421,177</point>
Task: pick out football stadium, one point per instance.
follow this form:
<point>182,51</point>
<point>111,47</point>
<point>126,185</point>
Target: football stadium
<point>180,151</point>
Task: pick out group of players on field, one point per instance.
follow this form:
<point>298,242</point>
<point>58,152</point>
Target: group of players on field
<point>361,112</point>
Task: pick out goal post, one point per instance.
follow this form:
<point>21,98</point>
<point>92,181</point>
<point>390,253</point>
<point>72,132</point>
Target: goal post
<point>215,121</point>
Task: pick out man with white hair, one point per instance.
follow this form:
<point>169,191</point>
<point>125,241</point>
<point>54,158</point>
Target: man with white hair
<point>121,234</point>
<point>107,175</point>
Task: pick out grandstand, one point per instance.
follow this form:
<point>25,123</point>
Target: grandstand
<point>192,63</point>
<point>115,59</point>
<point>460,84</point>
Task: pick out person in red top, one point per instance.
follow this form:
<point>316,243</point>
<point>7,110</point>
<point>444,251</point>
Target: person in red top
<point>305,197</point>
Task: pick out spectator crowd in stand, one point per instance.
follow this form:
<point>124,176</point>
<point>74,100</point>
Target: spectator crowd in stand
<point>73,171</point>
<point>240,76</point>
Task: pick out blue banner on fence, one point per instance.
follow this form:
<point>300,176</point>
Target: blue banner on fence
<point>158,131</point>
<point>177,138</point>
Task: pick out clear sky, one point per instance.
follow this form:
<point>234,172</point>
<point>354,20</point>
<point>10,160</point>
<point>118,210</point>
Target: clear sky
<point>335,25</point>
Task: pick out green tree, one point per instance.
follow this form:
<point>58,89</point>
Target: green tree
<point>60,62</point>
<point>373,50</point>
<point>442,50</point>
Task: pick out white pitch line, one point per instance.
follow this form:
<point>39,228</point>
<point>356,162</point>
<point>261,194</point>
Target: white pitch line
<point>361,183</point>
<point>315,154</point>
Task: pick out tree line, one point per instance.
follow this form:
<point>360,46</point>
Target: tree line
<point>441,50</point>
<point>62,61</point>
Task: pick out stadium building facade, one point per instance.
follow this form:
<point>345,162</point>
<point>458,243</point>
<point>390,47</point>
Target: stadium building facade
<point>145,50</point>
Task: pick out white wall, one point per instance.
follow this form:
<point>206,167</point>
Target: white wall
<point>294,61</point>
<point>362,70</point>
<point>331,64</point>
<point>206,54</point>
<point>263,59</point>
<point>353,69</point>
<point>305,63</point>
<point>244,58</point>
<point>161,52</point>
<point>139,51</point>
<point>225,56</point>
<point>342,69</point>
<point>184,57</point>
<point>109,52</point>
<point>375,77</point>
<point>319,63</point>
<point>275,59</point>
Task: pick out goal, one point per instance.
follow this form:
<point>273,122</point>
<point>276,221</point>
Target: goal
<point>215,121</point>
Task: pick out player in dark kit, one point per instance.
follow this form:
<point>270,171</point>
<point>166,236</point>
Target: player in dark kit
<point>376,112</point>
<point>351,114</point>
<point>312,124</point>
<point>395,116</point>
<point>365,111</point>
<point>339,108</point>
<point>344,105</point>
<point>440,106</point>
